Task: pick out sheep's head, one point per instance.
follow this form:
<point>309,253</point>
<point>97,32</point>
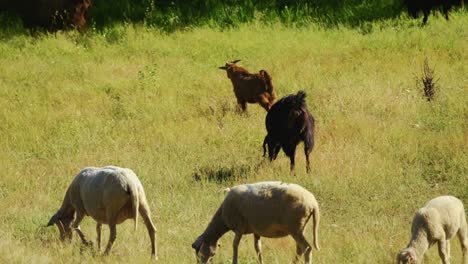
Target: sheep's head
<point>63,223</point>
<point>204,250</point>
<point>407,256</point>
<point>229,67</point>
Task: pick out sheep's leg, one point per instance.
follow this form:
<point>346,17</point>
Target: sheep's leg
<point>305,247</point>
<point>235,247</point>
<point>98,238</point>
<point>258,247</point>
<point>299,252</point>
<point>112,236</point>
<point>76,226</point>
<point>463,237</point>
<point>442,245</point>
<point>145,214</point>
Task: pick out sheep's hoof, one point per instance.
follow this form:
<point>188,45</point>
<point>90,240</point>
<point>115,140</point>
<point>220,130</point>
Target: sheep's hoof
<point>87,246</point>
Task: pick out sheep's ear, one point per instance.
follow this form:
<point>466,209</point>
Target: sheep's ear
<point>222,68</point>
<point>197,244</point>
<point>235,61</point>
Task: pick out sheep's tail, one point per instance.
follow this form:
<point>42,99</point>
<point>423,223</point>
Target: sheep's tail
<point>316,216</point>
<point>267,80</point>
<point>134,195</point>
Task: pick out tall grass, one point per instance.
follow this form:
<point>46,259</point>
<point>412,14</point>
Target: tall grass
<point>155,102</point>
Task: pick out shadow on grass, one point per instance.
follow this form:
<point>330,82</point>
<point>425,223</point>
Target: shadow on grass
<point>225,173</point>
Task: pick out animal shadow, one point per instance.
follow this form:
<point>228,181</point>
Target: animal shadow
<point>224,173</point>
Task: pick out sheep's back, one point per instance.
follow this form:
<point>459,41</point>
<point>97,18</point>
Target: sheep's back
<point>103,189</point>
<point>266,204</point>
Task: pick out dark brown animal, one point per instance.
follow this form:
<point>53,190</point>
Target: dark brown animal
<point>250,87</point>
<point>425,6</point>
<point>289,122</point>
<point>50,14</point>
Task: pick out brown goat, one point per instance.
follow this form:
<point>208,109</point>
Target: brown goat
<point>250,87</point>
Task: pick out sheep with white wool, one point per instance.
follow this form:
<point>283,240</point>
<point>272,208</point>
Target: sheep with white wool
<point>437,222</point>
<point>110,195</point>
<point>268,209</point>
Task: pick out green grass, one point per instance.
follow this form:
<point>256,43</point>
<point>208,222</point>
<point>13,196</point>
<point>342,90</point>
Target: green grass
<point>154,102</point>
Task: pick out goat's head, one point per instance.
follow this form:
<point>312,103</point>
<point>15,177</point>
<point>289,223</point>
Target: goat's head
<point>63,223</point>
<point>229,67</point>
<point>297,119</point>
<point>407,256</point>
<point>205,250</point>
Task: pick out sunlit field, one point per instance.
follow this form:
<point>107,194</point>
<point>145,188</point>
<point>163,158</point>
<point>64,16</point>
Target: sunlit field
<point>157,103</point>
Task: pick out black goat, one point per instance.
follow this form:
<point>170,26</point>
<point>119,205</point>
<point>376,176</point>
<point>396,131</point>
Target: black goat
<point>289,122</point>
<point>416,6</point>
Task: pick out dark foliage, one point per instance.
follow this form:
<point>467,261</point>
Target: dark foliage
<point>48,14</point>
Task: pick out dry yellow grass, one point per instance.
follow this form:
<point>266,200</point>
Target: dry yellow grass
<point>133,97</point>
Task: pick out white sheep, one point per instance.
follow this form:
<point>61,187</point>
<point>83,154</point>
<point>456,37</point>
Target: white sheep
<point>438,221</point>
<point>268,209</point>
<point>110,195</point>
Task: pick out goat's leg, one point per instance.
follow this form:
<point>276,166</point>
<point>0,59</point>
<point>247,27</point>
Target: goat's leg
<point>307,152</point>
<point>265,103</point>
<point>442,246</point>
<point>98,238</point>
<point>276,150</point>
<point>426,16</point>
<point>241,104</point>
<point>145,214</point>
<point>446,9</point>
<point>292,158</point>
<point>265,142</point>
<point>258,248</point>
<point>305,247</point>
<point>235,247</point>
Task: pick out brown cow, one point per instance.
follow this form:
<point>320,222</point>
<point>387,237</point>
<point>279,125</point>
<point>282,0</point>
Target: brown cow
<point>250,87</point>
<point>50,14</point>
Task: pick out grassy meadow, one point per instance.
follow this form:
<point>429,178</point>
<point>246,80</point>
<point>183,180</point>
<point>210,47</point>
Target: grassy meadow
<point>135,97</point>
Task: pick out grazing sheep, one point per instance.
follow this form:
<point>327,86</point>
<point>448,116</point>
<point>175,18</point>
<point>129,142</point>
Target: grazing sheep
<point>268,209</point>
<point>249,87</point>
<point>438,221</point>
<point>416,6</point>
<point>289,122</point>
<point>110,195</point>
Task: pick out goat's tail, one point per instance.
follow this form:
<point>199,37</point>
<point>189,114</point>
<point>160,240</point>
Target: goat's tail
<point>134,196</point>
<point>300,99</point>
<point>316,216</point>
<point>267,81</point>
